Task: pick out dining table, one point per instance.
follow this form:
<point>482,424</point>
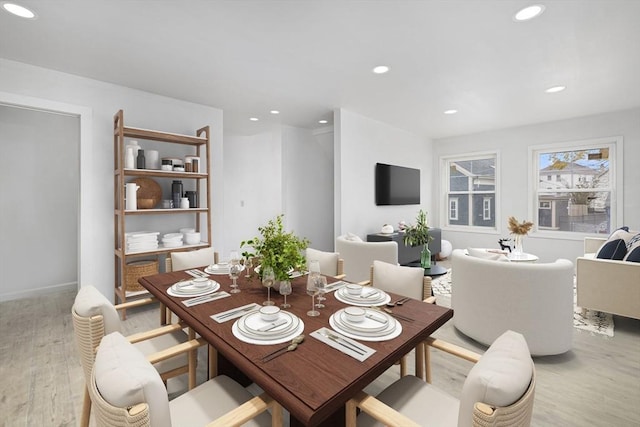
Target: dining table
<point>316,380</point>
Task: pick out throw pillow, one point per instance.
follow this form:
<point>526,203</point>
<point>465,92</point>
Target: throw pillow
<point>616,245</point>
<point>353,237</point>
<point>633,249</point>
<point>500,377</point>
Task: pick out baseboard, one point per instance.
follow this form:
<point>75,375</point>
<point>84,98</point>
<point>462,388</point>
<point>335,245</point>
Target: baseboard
<point>29,293</point>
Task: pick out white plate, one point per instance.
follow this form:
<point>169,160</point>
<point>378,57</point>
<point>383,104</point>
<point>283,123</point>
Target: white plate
<point>362,302</point>
<point>193,292</point>
<point>250,323</point>
<point>368,324</point>
<point>372,295</point>
<point>286,338</point>
<point>220,268</point>
<point>392,331</point>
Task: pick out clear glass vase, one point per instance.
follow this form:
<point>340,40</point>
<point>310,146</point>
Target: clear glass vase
<point>425,257</point>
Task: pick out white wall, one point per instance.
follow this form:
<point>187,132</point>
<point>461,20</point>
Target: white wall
<point>513,146</point>
<point>252,185</point>
<point>141,109</point>
<point>307,161</point>
<point>40,169</point>
<point>362,142</point>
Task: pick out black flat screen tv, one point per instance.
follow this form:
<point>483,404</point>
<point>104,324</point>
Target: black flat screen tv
<point>397,185</point>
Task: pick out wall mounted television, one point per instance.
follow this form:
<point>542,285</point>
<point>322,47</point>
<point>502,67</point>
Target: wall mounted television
<point>397,185</point>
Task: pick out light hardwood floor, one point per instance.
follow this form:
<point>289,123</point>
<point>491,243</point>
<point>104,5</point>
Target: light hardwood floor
<point>595,384</point>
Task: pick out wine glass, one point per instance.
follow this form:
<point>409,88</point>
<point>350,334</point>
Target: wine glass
<point>321,284</point>
<point>234,271</point>
<point>268,278</point>
<point>285,289</point>
<point>312,290</point>
<point>248,263</point>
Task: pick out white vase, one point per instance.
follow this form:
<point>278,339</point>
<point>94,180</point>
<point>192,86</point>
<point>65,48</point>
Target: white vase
<point>517,240</point>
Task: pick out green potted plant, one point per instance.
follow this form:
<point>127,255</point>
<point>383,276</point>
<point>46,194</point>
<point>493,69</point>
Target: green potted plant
<point>418,234</point>
<point>280,250</point>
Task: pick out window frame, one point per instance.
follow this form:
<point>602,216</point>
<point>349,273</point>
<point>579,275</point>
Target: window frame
<point>616,173</point>
<point>444,191</point>
<point>454,201</point>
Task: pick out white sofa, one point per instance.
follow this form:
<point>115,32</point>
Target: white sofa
<point>535,299</point>
<point>607,285</point>
<point>358,256</point>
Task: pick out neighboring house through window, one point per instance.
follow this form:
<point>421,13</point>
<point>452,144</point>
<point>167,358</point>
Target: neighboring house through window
<point>582,198</point>
<point>470,190</point>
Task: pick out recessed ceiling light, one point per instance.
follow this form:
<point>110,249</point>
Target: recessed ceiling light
<point>254,119</point>
<point>18,10</point>
<point>555,89</point>
<point>323,122</point>
<point>452,111</point>
<point>381,69</point>
<point>529,12</point>
<point>274,112</point>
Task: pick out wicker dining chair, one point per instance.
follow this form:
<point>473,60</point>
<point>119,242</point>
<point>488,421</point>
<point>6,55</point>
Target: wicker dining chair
<point>499,391</point>
<point>409,282</point>
<point>94,317</point>
<point>127,391</point>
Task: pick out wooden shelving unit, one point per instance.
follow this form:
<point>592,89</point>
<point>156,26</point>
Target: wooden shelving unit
<point>198,145</point>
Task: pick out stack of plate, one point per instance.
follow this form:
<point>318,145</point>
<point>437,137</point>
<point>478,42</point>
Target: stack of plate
<point>369,296</point>
<point>252,328</point>
<point>188,288</point>
<point>376,326</point>
<point>220,268</point>
<point>140,241</point>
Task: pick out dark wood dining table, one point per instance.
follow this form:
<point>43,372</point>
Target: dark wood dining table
<point>315,381</point>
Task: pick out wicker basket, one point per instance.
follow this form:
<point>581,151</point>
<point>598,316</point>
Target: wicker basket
<point>135,270</point>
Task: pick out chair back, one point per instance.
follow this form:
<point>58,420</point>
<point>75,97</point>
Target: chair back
<point>516,415</point>
<point>504,377</point>
<point>407,281</point>
<point>191,259</point>
<point>358,256</point>
<point>125,388</point>
<point>330,262</point>
<point>93,317</point>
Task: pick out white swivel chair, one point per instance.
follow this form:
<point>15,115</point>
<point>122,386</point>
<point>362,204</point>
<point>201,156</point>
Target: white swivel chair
<point>499,391</point>
<point>358,256</point>
<point>127,391</point>
<point>94,317</point>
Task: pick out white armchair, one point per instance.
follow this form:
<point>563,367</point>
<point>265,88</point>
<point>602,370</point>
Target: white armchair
<point>607,285</point>
<point>535,299</point>
<point>358,256</point>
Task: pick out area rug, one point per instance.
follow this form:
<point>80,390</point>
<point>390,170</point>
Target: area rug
<point>595,322</point>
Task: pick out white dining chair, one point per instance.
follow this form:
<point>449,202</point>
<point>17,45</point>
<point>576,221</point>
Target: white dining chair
<point>330,262</point>
<point>94,317</point>
<point>498,391</point>
<point>409,282</point>
<point>127,391</point>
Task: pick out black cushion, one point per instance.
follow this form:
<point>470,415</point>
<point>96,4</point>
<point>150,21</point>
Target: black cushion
<point>633,249</point>
<point>616,246</point>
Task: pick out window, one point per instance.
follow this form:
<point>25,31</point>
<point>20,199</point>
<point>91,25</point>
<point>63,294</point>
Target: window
<point>470,190</point>
<point>453,208</point>
<point>486,208</point>
<point>581,198</point>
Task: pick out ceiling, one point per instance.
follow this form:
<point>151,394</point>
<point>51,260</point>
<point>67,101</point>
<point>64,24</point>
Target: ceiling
<point>306,58</point>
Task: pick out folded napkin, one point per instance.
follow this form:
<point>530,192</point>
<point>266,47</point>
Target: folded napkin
<point>196,273</point>
<point>335,286</point>
<point>234,313</point>
<point>344,344</point>
<point>205,298</point>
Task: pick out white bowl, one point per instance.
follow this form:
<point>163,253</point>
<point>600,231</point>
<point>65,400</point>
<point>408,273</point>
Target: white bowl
<point>269,313</point>
<point>353,289</point>
<point>192,238</point>
<point>200,282</point>
<point>171,243</point>
<point>354,314</point>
